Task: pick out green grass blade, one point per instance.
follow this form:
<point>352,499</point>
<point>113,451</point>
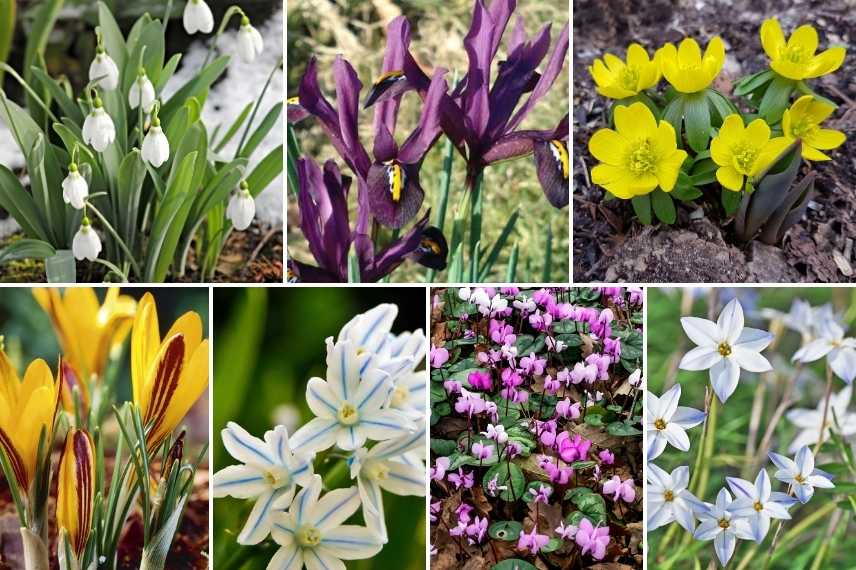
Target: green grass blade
<point>498,246</point>
<point>512,264</point>
<point>548,256</point>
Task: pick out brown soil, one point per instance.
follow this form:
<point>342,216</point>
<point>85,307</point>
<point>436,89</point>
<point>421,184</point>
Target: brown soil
<point>611,245</point>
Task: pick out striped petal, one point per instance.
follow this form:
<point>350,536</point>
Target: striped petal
<point>369,330</point>
<point>306,500</point>
<point>245,447</point>
<point>321,399</point>
<point>404,479</point>
<point>343,373</point>
<point>76,489</point>
<point>385,424</point>
<point>350,438</point>
<point>350,542</point>
<point>397,446</point>
<point>317,435</point>
<point>373,391</point>
<point>259,522</point>
<point>318,559</point>
<point>287,558</point>
<point>334,508</point>
<point>372,501</point>
<point>239,481</point>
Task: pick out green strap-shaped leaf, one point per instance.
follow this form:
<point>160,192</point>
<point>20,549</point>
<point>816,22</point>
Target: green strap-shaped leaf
<point>233,129</point>
<point>776,98</point>
<point>697,121</point>
<point>132,174</point>
<point>197,86</point>
<point>114,42</point>
<point>261,131</point>
<point>68,106</point>
<point>20,205</point>
<point>265,171</point>
<point>169,221</point>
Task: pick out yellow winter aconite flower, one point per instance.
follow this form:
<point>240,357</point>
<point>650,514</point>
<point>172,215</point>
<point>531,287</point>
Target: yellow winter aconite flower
<point>76,489</point>
<point>168,375</point>
<point>26,407</point>
<point>743,150</point>
<point>618,79</point>
<point>87,331</point>
<point>802,121</point>
<point>638,156</point>
<point>686,69</point>
<point>796,59</point>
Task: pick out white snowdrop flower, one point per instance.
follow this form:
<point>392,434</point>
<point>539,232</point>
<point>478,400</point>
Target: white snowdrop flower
<point>311,532</point>
<point>86,243</point>
<point>720,524</point>
<point>269,474</point>
<point>349,404</point>
<point>839,351</point>
<point>104,67</point>
<point>74,188</point>
<point>666,422</point>
<point>383,468</point>
<point>242,208</point>
<point>155,146</point>
<point>725,347</point>
<point>142,92</point>
<point>758,503</point>
<point>197,17</point>
<point>668,498</point>
<point>250,42</point>
<point>810,422</point>
<point>800,473</point>
<point>98,128</point>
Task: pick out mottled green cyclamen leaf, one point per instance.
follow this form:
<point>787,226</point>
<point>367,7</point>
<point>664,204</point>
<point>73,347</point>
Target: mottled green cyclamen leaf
<point>505,530</point>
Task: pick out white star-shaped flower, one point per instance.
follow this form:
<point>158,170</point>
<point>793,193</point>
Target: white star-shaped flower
<point>809,421</point>
<point>666,422</point>
<point>719,523</point>
<point>725,347</point>
<point>801,474</point>
<point>840,351</point>
<point>758,503</point>
<point>668,498</point>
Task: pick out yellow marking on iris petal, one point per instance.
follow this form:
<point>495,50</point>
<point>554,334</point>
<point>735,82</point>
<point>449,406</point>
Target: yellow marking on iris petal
<point>395,75</point>
<point>395,177</point>
<point>560,154</point>
<point>293,101</point>
<point>428,243</point>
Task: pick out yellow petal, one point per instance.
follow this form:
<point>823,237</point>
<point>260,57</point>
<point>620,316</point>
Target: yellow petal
<point>818,111</point>
<point>637,56</point>
<point>689,53</point>
<point>634,121</point>
<point>668,169</point>
<point>758,133</point>
<point>607,146</point>
<point>789,69</point>
<point>804,37</point>
<point>812,154</point>
<point>76,489</point>
<point>714,56</point>
<point>730,178</point>
<point>193,383</point>
<point>613,63</point>
<point>772,38</point>
<point>190,325</point>
<point>600,73</point>
<point>732,131</point>
<point>825,139</point>
<point>145,343</point>
<point>615,179</point>
<point>666,141</point>
<point>720,152</point>
<point>826,62</point>
<point>770,153</point>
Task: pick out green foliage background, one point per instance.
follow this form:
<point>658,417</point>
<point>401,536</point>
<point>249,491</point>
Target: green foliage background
<point>666,345</point>
<point>356,29</point>
<point>268,343</point>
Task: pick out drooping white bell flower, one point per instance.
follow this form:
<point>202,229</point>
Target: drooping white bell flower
<point>250,42</point>
<point>197,17</point>
<point>98,128</point>
<point>155,146</point>
<point>104,69</point>
<point>242,208</point>
<point>142,92</point>
<point>86,243</point>
<point>74,188</point>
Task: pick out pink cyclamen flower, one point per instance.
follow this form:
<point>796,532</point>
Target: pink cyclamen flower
<point>533,365</point>
<point>606,457</point>
<point>566,532</point>
<point>438,472</point>
<point>625,490</point>
<point>462,478</point>
<point>543,297</point>
<point>533,542</point>
<point>542,495</point>
<point>469,403</point>
<point>496,433</point>
<point>567,410</point>
<point>482,451</point>
<point>436,507</point>
<point>571,450</point>
<point>592,539</point>
<point>494,488</point>
<point>551,385</point>
<point>513,449</point>
<point>452,387</point>
<point>463,511</point>
<point>476,530</point>
<point>439,356</point>
<point>480,380</point>
<point>558,475</point>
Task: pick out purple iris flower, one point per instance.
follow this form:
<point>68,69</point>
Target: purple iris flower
<point>323,202</point>
<point>482,119</point>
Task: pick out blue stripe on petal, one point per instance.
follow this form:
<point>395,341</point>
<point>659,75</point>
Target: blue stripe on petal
<point>323,401</point>
<point>266,509</point>
<point>336,507</point>
<point>290,560</point>
<point>344,372</point>
<point>408,479</point>
<point>318,558</point>
<point>323,431</point>
<point>371,393</point>
<point>300,470</point>
<point>346,541</point>
<point>370,331</point>
<point>383,424</point>
<point>248,447</point>
<point>284,529</point>
<point>239,481</point>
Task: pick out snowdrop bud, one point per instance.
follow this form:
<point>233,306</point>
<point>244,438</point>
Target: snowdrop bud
<point>104,67</point>
<point>98,128</point>
<point>155,145</point>
<point>242,208</point>
<point>74,188</point>
<point>198,17</point>
<point>142,92</point>
<point>249,41</point>
<point>86,243</point>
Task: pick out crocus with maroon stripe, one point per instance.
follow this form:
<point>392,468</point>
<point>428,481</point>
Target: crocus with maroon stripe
<point>76,489</point>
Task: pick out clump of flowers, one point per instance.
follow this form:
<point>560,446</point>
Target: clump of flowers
<point>535,425</point>
<point>369,416</point>
<point>703,139</point>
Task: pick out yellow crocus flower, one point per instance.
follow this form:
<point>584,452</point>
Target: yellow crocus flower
<point>87,331</point>
<point>76,489</point>
<point>686,69</point>
<point>802,121</point>
<point>618,80</point>
<point>638,156</point>
<point>167,375</point>
<point>742,151</point>
<point>26,407</point>
<point>796,59</point>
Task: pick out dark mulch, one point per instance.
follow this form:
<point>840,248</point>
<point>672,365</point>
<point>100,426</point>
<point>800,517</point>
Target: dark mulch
<point>611,245</point>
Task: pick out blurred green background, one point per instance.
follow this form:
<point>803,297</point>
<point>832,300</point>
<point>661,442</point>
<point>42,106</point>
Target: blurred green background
<point>268,343</point>
<point>357,29</point>
<point>667,343</point>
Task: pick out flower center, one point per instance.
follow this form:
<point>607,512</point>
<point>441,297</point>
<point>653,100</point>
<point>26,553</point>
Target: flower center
<point>794,54</point>
<point>758,506</point>
<point>377,471</point>
<point>724,349</point>
<point>629,78</point>
<point>660,424</point>
<point>642,159</point>
<point>308,536</point>
<point>799,479</point>
<point>669,496</point>
<point>723,523</point>
<point>348,414</point>
<point>802,128</point>
<point>400,397</point>
<point>277,477</point>
<point>744,157</point>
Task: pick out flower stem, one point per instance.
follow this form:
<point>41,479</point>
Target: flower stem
<point>823,428</point>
